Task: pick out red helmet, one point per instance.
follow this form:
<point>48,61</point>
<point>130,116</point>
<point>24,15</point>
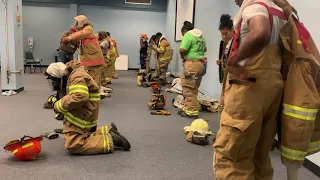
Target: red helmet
<point>26,148</point>
<point>145,36</point>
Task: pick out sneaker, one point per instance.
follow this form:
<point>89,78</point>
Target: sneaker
<point>13,92</point>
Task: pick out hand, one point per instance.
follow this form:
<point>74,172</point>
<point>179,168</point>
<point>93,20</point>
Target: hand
<point>218,62</point>
<point>234,66</point>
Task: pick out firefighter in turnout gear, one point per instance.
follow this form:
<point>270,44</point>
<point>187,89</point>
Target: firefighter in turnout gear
<point>149,53</point>
<point>80,107</point>
<point>113,66</point>
<point>111,56</point>
<point>252,95</point>
<point>91,56</point>
<point>104,44</point>
<point>192,51</point>
<point>164,56</point>
<point>227,33</point>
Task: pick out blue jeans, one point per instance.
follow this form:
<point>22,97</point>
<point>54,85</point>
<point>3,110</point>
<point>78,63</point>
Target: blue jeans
<point>143,61</point>
<point>64,57</point>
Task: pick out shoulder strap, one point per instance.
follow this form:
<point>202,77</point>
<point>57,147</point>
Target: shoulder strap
<point>272,12</point>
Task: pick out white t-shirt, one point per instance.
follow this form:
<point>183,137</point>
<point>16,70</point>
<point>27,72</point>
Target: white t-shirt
<point>256,10</point>
<point>105,45</point>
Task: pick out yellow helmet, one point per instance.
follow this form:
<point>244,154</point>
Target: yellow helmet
<point>201,126</point>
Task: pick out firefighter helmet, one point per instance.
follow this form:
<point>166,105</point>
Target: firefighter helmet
<point>157,102</point>
<point>25,148</point>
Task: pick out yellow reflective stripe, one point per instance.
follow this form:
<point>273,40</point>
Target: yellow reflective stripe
<point>94,97</point>
<point>15,151</point>
<point>78,88</point>
<point>27,145</point>
<point>79,122</point>
<point>59,106</point>
<point>104,142</point>
<point>299,112</point>
<point>107,137</point>
<point>293,154</point>
<point>314,147</point>
<point>191,113</point>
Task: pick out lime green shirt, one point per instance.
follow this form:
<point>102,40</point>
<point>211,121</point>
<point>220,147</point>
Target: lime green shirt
<point>194,46</point>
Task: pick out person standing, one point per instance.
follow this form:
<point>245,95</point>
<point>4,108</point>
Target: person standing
<point>253,95</point>
<point>149,53</point>
<point>164,54</point>
<point>192,52</point>
<point>91,56</point>
<point>227,33</point>
<point>67,50</point>
<point>143,50</point>
<point>104,45</point>
<point>113,66</point>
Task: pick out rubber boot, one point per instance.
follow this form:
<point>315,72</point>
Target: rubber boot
<point>119,140</point>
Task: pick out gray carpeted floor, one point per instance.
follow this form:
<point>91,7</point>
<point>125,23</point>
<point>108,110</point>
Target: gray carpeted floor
<point>159,149</point>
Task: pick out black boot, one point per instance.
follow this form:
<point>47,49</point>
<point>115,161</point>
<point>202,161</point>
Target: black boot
<point>119,141</point>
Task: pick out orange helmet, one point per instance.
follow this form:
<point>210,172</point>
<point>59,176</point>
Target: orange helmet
<point>25,148</point>
<point>145,36</point>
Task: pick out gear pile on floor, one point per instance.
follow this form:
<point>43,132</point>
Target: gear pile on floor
<point>205,103</point>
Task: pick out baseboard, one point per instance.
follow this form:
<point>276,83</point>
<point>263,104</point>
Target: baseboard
<point>36,65</point>
<point>17,90</point>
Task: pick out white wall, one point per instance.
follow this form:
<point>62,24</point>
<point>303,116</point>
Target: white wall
<point>126,26</point>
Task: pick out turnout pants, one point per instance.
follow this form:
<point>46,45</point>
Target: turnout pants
<point>190,85</point>
<point>95,73</point>
<point>249,120</point>
<point>104,82</point>
<point>114,72</point>
<point>80,141</point>
<point>163,67</point>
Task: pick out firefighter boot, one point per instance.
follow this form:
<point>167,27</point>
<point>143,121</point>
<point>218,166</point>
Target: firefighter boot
<point>182,113</point>
<point>103,93</point>
<point>119,140</point>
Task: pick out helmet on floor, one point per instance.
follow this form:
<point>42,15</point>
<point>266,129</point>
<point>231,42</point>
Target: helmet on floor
<point>25,148</point>
<point>201,126</point>
<point>156,88</point>
<point>142,81</point>
<point>157,102</point>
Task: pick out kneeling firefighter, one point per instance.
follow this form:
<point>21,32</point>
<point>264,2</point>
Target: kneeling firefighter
<point>192,51</point>
<point>164,54</point>
<point>80,108</point>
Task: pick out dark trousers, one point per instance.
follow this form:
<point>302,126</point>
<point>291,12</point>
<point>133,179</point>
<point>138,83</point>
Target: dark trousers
<point>64,57</point>
<point>143,61</point>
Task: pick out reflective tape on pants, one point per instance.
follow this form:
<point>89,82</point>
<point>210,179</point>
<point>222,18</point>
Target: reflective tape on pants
<point>293,154</point>
<point>299,112</point>
<point>314,147</point>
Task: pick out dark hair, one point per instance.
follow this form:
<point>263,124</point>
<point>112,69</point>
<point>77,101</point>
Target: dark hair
<point>108,33</point>
<point>159,34</point>
<point>187,26</point>
<point>153,37</point>
<point>102,35</point>
<point>225,22</point>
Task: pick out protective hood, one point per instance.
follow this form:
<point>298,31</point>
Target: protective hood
<point>56,69</point>
<point>82,20</point>
<point>196,32</point>
<point>245,3</point>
